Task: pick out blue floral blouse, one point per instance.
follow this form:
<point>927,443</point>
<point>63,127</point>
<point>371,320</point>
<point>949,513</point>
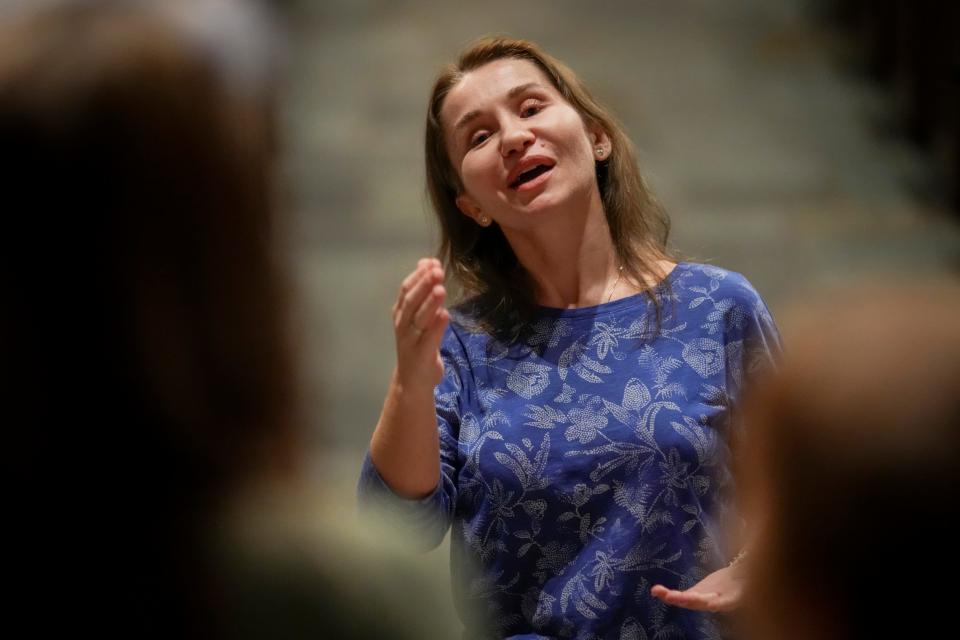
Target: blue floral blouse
<point>592,461</point>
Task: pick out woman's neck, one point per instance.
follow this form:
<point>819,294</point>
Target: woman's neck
<point>571,258</point>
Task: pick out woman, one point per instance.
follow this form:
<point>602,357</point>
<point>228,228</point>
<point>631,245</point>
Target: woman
<point>583,389</point>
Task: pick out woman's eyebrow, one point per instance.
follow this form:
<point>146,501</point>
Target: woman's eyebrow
<point>523,87</point>
<point>466,118</point>
<point>512,93</point>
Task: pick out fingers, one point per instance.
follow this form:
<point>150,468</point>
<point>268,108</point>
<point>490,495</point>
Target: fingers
<point>699,601</point>
<point>410,281</point>
<point>433,336</point>
<point>428,309</point>
<point>420,321</point>
<point>419,298</point>
<point>659,591</point>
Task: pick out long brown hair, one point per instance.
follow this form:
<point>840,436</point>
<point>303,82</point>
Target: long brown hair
<point>480,258</point>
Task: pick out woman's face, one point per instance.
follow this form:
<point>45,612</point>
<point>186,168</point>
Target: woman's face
<point>519,147</point>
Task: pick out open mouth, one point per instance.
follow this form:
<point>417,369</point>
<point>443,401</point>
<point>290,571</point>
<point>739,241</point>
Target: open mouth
<point>530,174</point>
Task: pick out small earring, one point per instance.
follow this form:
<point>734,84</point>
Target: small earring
<point>483,221</point>
<point>600,152</point>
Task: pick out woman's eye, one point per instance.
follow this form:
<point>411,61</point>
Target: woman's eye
<point>530,110</point>
<point>478,138</point>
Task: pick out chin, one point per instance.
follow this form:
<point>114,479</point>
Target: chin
<point>558,199</point>
<point>542,205</point>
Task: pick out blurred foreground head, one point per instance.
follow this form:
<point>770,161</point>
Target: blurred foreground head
<point>854,469</point>
<point>145,366</point>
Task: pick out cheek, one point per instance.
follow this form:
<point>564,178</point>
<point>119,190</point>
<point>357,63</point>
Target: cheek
<point>581,144</point>
<point>575,145</point>
<point>476,175</point>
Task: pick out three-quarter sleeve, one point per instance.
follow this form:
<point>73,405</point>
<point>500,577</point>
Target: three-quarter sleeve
<point>753,348</point>
<point>752,339</point>
<point>427,519</point>
<point>761,341</point>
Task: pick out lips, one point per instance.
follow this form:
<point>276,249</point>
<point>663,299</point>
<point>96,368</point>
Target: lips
<point>528,170</point>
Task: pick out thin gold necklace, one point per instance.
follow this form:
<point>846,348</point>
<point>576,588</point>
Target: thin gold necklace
<point>615,283</point>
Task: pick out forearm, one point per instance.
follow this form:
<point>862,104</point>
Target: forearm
<point>405,446</point>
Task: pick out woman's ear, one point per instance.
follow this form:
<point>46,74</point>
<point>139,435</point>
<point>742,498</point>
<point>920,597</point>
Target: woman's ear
<point>602,146</point>
<point>472,210</point>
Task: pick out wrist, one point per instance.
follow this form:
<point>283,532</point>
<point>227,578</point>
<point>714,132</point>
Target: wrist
<point>409,389</point>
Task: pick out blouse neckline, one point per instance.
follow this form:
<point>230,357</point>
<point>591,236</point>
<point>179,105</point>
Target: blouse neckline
<point>613,306</point>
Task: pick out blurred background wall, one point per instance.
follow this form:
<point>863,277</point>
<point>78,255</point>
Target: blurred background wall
<point>775,155</point>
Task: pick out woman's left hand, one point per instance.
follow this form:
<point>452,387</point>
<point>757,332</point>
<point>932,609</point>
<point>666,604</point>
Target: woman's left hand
<point>719,591</point>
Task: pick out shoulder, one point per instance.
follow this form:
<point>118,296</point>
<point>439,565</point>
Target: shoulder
<point>719,298</point>
<point>463,318</point>
<point>462,330</point>
<point>465,333</point>
<point>694,279</point>
<point>465,344</point>
<point>468,342</point>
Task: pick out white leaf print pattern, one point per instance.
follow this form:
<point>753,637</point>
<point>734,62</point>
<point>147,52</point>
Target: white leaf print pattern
<point>529,379</point>
<point>545,417</point>
<point>704,355</point>
<point>631,630</point>
<point>643,556</point>
<point>701,439</point>
<point>575,358</point>
<point>587,368</point>
<point>637,329</point>
<point>566,395</point>
<point>521,456</point>
<point>567,592</point>
<point>714,273</point>
<point>617,412</point>
<point>535,508</point>
<point>645,427</point>
<point>587,602</point>
<point>635,394</point>
<point>544,608</point>
<point>582,599</point>
<point>585,424</point>
<point>549,333</point>
<point>528,473</point>
<point>489,396</point>
<point>469,428</point>
<point>661,368</point>
<point>563,364</point>
<point>634,499</point>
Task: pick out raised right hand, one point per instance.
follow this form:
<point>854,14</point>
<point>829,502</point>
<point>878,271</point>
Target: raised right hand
<point>419,320</point>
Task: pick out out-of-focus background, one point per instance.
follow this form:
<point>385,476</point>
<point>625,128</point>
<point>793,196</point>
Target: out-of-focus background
<point>788,139</point>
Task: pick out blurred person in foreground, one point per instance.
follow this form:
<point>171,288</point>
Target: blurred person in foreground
<point>570,419</point>
<point>148,376</point>
<point>853,469</point>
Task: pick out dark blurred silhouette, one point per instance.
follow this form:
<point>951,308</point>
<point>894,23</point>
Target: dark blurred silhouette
<point>147,371</point>
<point>145,364</point>
<point>912,46</point>
<point>853,464</point>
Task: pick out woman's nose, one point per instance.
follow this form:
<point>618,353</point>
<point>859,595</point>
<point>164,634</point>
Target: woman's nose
<point>515,138</point>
